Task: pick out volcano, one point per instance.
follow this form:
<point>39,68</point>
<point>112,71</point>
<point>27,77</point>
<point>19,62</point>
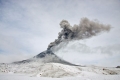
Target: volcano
<point>46,56</point>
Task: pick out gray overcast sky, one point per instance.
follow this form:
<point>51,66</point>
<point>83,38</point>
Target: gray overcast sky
<point>28,26</point>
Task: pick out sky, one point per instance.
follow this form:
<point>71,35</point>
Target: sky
<point>28,26</point>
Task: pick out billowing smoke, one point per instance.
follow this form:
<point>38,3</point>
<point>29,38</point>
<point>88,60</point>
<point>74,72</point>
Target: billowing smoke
<point>85,29</point>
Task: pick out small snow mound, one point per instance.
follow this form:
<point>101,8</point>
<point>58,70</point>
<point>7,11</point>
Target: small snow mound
<point>10,72</point>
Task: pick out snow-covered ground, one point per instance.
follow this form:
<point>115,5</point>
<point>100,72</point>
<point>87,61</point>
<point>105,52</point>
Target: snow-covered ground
<point>57,71</point>
<point>23,77</point>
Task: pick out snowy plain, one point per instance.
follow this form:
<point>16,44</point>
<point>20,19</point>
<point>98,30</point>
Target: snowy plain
<point>56,71</point>
<point>23,77</point>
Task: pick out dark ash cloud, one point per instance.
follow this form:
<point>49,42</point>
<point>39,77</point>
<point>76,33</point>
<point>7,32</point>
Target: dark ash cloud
<point>85,29</point>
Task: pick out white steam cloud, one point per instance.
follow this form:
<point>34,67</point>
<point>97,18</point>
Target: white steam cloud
<point>81,54</point>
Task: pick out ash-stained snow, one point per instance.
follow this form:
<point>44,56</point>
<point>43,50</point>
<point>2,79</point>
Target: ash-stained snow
<point>37,70</point>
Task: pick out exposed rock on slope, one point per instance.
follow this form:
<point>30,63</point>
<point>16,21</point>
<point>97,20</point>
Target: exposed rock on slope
<point>45,57</point>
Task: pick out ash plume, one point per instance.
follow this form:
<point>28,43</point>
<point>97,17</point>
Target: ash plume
<point>85,29</point>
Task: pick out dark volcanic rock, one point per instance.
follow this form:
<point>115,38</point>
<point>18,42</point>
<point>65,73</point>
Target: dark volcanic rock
<point>44,53</point>
<point>118,67</point>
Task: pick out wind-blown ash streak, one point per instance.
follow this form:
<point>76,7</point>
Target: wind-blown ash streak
<point>85,29</point>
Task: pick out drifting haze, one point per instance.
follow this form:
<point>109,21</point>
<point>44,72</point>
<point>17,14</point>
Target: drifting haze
<point>81,54</point>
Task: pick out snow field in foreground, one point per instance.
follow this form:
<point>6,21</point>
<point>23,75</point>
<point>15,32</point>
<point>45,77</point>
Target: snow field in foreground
<point>5,76</point>
<point>43,71</point>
